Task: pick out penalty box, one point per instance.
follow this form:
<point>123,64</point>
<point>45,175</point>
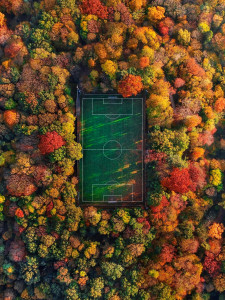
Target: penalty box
<point>112,106</point>
<point>115,192</point>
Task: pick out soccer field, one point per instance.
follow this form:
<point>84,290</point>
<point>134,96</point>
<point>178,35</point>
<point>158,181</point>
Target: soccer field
<point>111,170</point>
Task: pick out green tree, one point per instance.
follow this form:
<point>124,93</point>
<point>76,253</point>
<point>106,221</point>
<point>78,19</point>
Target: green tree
<point>112,270</point>
<point>30,270</point>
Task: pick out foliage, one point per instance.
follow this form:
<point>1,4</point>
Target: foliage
<point>130,85</point>
<point>49,142</point>
<point>169,141</point>
<point>50,247</point>
<point>112,270</point>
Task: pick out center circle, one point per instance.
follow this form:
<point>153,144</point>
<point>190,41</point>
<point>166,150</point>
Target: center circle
<point>112,149</point>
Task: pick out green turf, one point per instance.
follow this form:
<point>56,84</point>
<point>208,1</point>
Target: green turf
<point>112,139</point>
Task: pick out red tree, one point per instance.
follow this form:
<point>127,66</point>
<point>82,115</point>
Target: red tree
<point>167,253</point>
<point>179,181</point>
<point>130,85</point>
<point>20,185</point>
<point>163,29</point>
<point>160,211</point>
<point>197,175</point>
<point>211,265</point>
<point>50,142</point>
<point>17,251</point>
<point>194,68</point>
<point>94,7</point>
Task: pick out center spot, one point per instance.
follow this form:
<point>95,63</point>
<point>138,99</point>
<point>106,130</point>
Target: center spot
<point>112,149</point>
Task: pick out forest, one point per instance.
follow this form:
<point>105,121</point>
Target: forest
<point>51,248</point>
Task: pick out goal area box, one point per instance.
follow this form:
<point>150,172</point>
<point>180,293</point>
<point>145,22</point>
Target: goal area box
<point>111,130</point>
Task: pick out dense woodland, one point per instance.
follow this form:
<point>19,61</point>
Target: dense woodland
<point>50,247</point>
